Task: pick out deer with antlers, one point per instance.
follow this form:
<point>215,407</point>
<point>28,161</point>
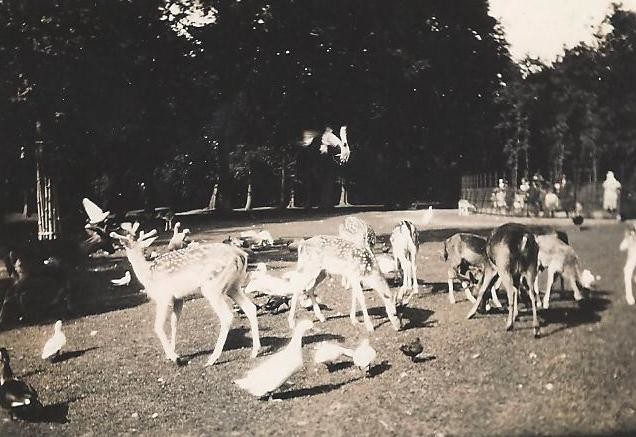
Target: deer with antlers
<point>215,270</point>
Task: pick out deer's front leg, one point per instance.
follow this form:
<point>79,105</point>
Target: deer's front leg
<point>225,315</point>
<point>628,272</point>
<point>161,313</point>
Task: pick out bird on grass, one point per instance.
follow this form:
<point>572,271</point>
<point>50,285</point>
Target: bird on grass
<point>364,355</point>
<point>179,239</point>
<point>54,345</point>
<point>95,214</point>
<point>413,349</point>
<point>123,281</point>
<point>327,352</point>
<point>275,370</point>
<point>16,396</point>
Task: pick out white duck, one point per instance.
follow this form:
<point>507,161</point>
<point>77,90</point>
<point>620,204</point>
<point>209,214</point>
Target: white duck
<point>178,240</point>
<point>277,368</point>
<point>54,344</point>
<point>123,281</point>
<point>328,352</point>
<point>427,217</point>
<point>95,214</point>
<point>364,355</point>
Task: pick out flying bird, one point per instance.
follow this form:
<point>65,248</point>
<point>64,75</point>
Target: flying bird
<point>54,345</point>
<point>279,367</point>
<point>16,396</point>
<point>95,214</point>
<point>412,349</point>
<point>364,355</point>
<point>123,281</point>
<point>327,139</point>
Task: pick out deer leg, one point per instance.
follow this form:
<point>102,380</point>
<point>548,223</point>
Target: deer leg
<point>536,290</point>
<point>225,315</point>
<point>451,291</point>
<point>356,292</point>
<point>249,309</point>
<point>406,276</point>
<point>493,293</point>
<point>548,288</point>
<point>312,295</point>
<point>628,272</point>
<point>577,293</point>
<point>354,309</point>
<point>161,313</point>
<point>177,307</point>
<point>378,283</point>
<point>489,273</point>
<point>511,292</point>
<point>414,284</point>
<point>535,319</point>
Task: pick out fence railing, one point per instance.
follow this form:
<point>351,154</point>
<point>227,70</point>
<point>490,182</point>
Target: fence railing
<point>485,195</point>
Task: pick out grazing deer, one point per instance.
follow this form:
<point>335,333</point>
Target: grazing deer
<point>326,254</point>
<point>461,250</point>
<point>629,244</point>
<point>557,257</point>
<point>213,269</point>
<point>404,244</point>
<point>357,231</point>
<point>512,251</point>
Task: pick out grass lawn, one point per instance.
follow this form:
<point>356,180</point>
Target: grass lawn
<point>578,378</point>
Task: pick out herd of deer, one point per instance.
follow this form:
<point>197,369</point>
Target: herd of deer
<point>510,258</point>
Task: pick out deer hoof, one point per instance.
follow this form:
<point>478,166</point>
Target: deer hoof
<point>172,357</point>
<point>537,332</point>
<point>630,300</point>
<point>451,299</point>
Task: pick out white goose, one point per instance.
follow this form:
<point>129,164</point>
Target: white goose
<point>328,352</point>
<point>95,214</point>
<point>364,355</point>
<point>54,344</point>
<point>277,368</point>
<point>123,281</point>
<point>178,240</point>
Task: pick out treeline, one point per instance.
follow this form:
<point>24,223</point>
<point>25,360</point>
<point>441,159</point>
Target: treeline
<point>185,95</point>
<point>577,117</point>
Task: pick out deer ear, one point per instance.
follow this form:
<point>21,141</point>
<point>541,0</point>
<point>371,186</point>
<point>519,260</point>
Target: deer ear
<point>147,242</point>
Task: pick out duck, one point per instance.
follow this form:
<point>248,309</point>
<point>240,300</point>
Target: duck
<point>327,352</point>
<point>179,239</point>
<point>123,281</point>
<point>364,355</point>
<point>275,370</point>
<point>16,396</point>
<point>95,214</point>
<point>413,349</point>
<point>54,345</point>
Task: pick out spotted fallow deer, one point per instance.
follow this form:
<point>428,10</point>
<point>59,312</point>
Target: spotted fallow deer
<point>215,270</point>
<point>326,254</point>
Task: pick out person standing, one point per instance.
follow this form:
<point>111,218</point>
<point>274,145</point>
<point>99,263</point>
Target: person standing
<point>611,188</point>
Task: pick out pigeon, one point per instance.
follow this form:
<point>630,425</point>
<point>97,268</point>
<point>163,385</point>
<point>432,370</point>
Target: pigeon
<point>123,281</point>
<point>275,370</point>
<point>364,355</point>
<point>95,214</point>
<point>54,344</point>
<point>412,349</point>
<point>16,396</point>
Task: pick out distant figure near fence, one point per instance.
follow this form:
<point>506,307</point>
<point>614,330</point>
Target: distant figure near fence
<point>611,187</point>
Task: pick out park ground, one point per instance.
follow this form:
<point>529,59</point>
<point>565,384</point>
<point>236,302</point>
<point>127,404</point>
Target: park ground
<point>579,378</point>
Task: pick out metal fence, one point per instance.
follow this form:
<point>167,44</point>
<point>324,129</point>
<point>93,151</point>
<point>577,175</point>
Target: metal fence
<point>486,197</point>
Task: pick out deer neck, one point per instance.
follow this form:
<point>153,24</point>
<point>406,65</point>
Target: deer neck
<point>140,266</point>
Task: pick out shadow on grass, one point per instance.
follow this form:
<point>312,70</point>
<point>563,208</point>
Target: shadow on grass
<point>69,355</point>
<point>52,413</point>
<point>238,339</point>
<point>311,391</point>
<point>584,312</point>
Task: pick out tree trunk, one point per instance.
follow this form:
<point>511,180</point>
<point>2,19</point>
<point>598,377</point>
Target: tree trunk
<point>248,199</point>
<point>215,191</point>
<point>283,188</point>
<point>48,217</point>
<point>344,201</point>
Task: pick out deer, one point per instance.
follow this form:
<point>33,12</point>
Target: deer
<point>629,245</point>
<point>357,231</point>
<point>466,250</point>
<point>214,270</point>
<point>512,252</point>
<point>558,257</point>
<point>327,254</point>
<point>404,245</point>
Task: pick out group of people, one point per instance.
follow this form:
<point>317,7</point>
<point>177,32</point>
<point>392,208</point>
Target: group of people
<point>538,196</point>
